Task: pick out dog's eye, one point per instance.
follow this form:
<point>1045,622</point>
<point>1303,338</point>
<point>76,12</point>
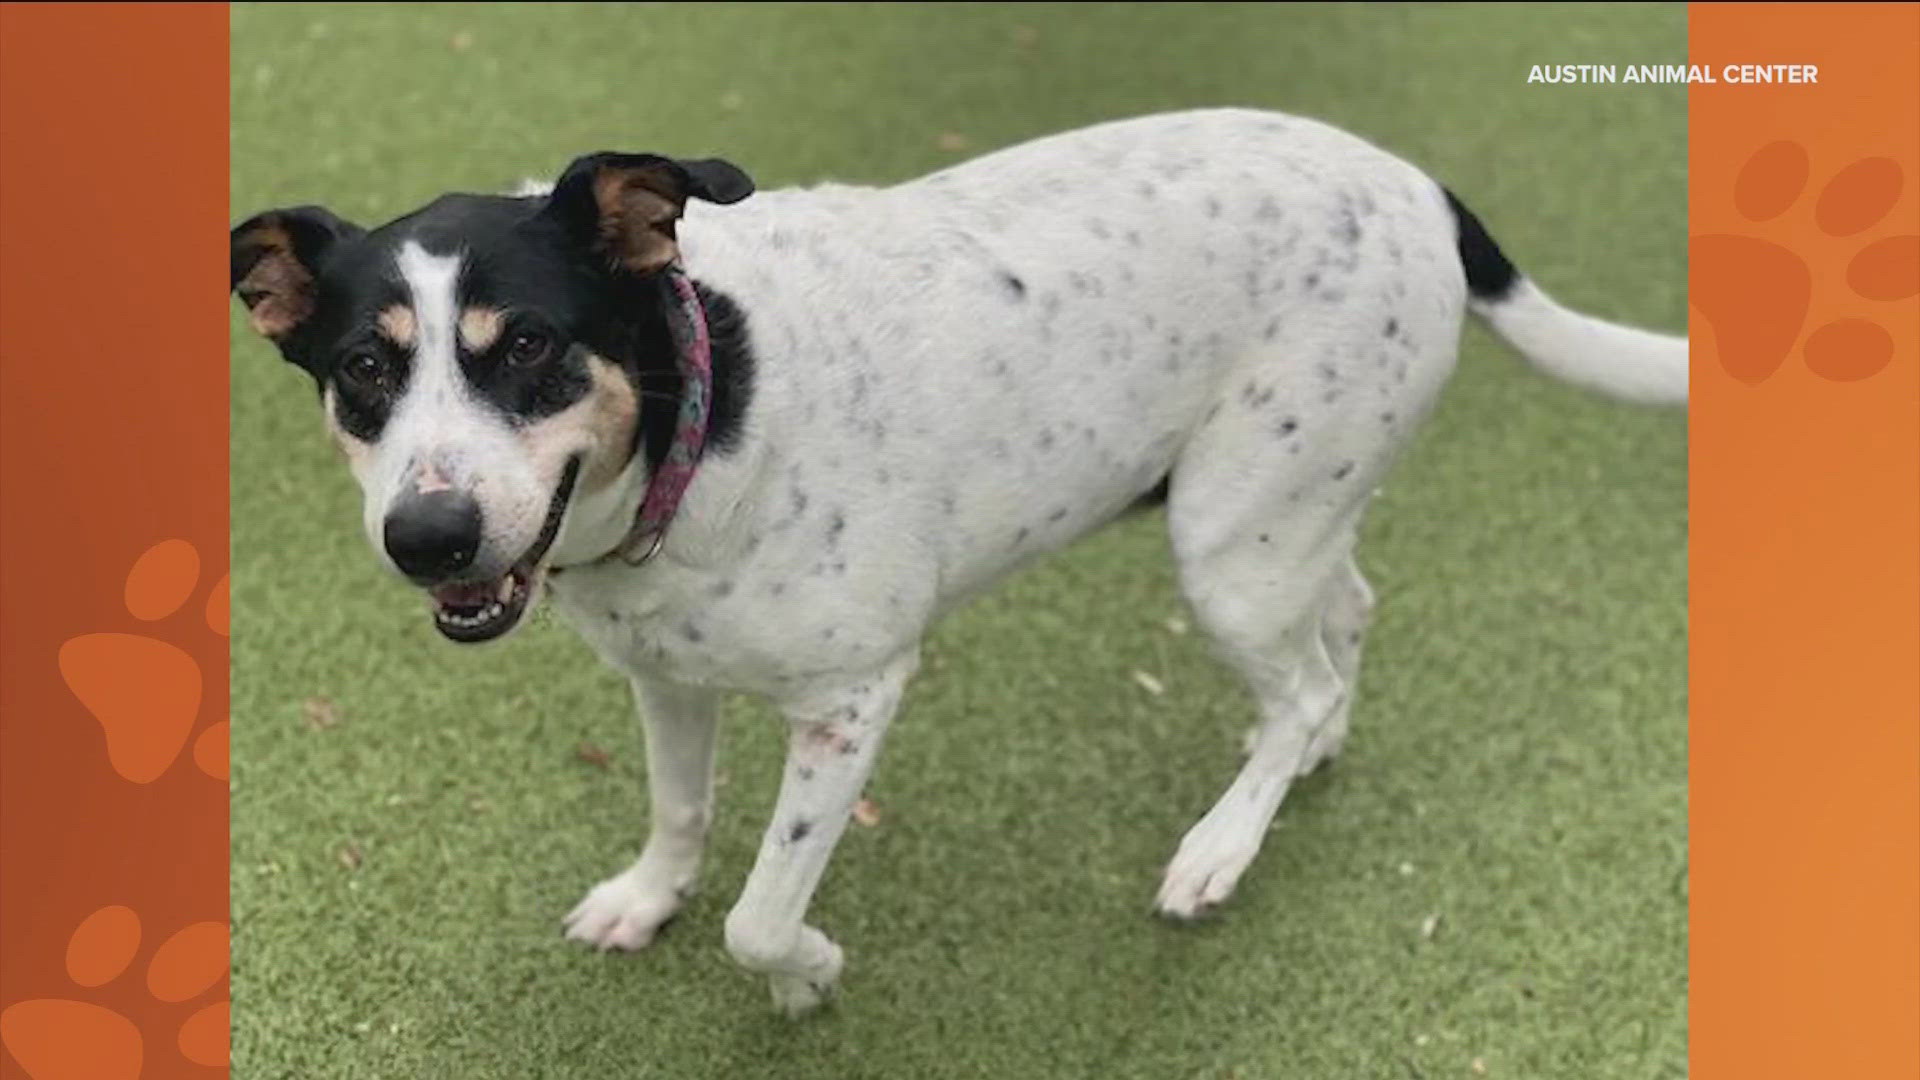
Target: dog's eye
<point>527,348</point>
<point>362,369</point>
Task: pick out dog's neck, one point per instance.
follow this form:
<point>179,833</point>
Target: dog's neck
<point>607,518</point>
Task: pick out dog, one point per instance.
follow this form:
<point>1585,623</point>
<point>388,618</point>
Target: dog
<point>760,444</point>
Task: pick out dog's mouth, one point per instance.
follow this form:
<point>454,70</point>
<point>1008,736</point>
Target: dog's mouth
<point>474,611</point>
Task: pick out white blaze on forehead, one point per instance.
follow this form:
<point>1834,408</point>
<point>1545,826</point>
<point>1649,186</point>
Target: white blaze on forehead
<point>438,431</point>
<point>434,281</point>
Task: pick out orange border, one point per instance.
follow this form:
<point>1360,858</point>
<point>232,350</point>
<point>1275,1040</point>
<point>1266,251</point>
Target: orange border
<point>113,438</point>
<point>1805,553</point>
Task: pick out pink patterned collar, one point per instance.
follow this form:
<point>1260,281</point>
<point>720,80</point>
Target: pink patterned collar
<point>693,354</point>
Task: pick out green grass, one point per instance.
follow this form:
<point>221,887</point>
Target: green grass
<point>1518,763</point>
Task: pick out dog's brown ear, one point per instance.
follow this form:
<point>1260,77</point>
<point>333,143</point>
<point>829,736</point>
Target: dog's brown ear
<point>274,258</point>
<point>626,206</point>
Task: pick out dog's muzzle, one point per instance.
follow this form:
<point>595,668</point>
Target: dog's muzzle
<point>434,538</point>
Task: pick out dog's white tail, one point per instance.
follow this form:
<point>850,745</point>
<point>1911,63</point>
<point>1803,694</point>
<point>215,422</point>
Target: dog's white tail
<point>1618,361</point>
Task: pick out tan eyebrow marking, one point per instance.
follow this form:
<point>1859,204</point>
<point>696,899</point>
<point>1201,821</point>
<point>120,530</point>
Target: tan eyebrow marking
<point>397,323</point>
<point>480,328</point>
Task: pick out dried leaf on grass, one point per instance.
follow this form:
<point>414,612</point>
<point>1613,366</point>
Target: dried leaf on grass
<point>319,714</point>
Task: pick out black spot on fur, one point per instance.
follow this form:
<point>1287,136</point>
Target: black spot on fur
<point>799,831</point>
<point>1014,286</point>
<point>1489,275</point>
<point>1341,472</point>
<point>1287,427</point>
<point>1347,231</point>
<point>1393,328</point>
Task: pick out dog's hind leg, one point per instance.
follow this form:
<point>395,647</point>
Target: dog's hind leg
<point>681,727</point>
<point>1265,557</point>
<point>1348,608</point>
<point>833,740</point>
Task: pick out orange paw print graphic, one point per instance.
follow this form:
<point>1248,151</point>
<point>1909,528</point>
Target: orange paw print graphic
<point>59,1039</point>
<point>144,691</point>
<point>1757,292</point>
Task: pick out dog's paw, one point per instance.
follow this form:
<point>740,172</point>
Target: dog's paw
<point>1202,874</point>
<point>623,912</point>
<point>795,996</point>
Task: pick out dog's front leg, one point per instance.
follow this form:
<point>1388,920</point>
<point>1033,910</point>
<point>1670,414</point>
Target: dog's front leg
<point>834,737</point>
<point>680,725</point>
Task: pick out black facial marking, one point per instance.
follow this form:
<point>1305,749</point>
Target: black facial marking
<point>368,377</point>
<point>552,294</point>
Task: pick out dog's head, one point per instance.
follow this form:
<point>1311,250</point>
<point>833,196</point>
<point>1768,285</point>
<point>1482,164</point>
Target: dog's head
<point>480,360</point>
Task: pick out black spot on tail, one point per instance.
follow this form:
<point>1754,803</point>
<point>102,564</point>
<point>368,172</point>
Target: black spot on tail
<point>1489,275</point>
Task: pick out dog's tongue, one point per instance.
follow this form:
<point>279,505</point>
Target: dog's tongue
<point>466,594</point>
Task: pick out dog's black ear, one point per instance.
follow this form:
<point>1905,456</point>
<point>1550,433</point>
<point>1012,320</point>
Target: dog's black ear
<point>273,259</point>
<point>625,206</point>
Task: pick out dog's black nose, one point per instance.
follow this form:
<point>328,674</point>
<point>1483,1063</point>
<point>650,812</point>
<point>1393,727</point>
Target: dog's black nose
<point>434,536</point>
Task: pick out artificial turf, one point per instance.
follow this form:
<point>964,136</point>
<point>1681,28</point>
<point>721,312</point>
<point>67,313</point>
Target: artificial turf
<point>411,819</point>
